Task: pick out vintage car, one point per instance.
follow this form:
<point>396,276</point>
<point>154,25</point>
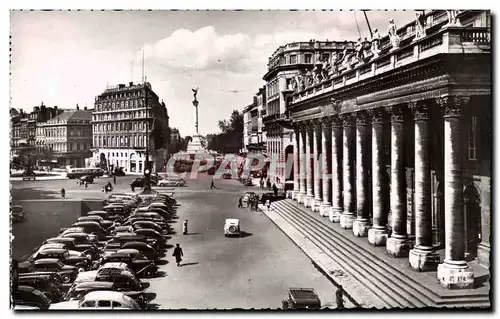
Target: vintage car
<point>148,215</point>
<point>78,291</point>
<point>100,300</point>
<point>43,284</point>
<point>169,182</point>
<point>248,196</point>
<point>145,249</point>
<point>101,213</point>
<point>67,272</point>
<point>70,230</point>
<point>92,228</point>
<point>53,277</point>
<point>163,213</point>
<point>83,241</point>
<point>152,234</point>
<point>82,262</point>
<point>98,219</point>
<point>122,229</point>
<point>17,213</point>
<point>142,266</point>
<point>267,196</point>
<point>116,210</point>
<point>232,227</point>
<point>28,296</point>
<point>125,279</point>
<point>146,224</point>
<point>301,298</point>
<point>69,243</point>
<point>87,178</point>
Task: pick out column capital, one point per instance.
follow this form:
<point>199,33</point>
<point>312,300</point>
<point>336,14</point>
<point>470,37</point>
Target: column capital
<point>308,125</point>
<point>326,123</point>
<point>420,110</point>
<point>348,119</point>
<point>453,104</point>
<point>336,121</point>
<point>396,112</point>
<point>377,115</point>
<point>362,118</point>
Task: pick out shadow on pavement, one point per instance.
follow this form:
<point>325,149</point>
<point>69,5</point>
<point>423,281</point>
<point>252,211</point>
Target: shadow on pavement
<point>190,264</point>
<point>34,193</point>
<point>189,234</point>
<point>162,262</point>
<point>145,285</point>
<point>160,274</point>
<point>150,296</point>
<point>481,280</point>
<point>244,234</point>
<point>153,306</point>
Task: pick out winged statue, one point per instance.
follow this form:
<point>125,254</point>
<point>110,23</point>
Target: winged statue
<point>195,92</point>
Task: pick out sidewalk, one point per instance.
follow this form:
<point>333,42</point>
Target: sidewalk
<point>58,176</point>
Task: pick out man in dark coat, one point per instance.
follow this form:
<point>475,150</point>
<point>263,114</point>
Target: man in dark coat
<point>178,254</point>
<point>275,190</point>
<point>240,202</point>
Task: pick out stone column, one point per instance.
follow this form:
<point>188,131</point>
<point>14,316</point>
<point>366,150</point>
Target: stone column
<point>348,216</point>
<point>377,235</point>
<point>296,156</point>
<point>422,256</point>
<point>302,162</point>
<point>317,167</point>
<point>326,171</point>
<point>336,170</point>
<point>454,271</point>
<point>309,166</point>
<point>398,244</point>
<point>362,223</point>
<point>484,247</point>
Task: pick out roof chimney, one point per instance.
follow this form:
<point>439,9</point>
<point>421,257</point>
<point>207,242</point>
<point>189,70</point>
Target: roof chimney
<point>84,108</point>
<point>130,83</point>
<point>77,107</point>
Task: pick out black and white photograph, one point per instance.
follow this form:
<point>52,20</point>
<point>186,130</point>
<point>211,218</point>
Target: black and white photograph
<point>250,160</point>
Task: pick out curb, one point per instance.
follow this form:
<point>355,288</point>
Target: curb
<point>327,266</point>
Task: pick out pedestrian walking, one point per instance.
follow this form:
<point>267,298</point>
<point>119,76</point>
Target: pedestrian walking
<point>185,228</point>
<point>275,190</point>
<point>114,179</point>
<point>268,204</point>
<point>269,184</point>
<point>240,202</point>
<point>178,254</point>
<point>132,188</point>
<point>212,184</point>
<point>63,193</point>
<point>86,185</point>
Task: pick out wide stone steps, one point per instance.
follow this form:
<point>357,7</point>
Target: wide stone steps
<point>389,284</point>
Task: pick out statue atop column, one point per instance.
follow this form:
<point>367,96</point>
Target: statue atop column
<point>195,103</point>
<point>195,92</point>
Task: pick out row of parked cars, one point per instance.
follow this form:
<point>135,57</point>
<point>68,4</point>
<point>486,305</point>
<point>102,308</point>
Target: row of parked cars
<point>98,261</point>
<point>168,181</point>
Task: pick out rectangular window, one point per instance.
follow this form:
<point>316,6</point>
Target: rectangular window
<point>308,58</point>
<point>472,138</point>
<point>293,59</point>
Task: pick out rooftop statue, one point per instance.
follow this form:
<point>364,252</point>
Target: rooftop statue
<point>325,68</point>
<point>419,26</point>
<point>392,30</point>
<point>453,18</point>
<point>375,48</point>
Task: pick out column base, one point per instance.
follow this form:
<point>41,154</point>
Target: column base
<point>346,220</point>
<point>316,205</point>
<point>455,275</point>
<point>301,197</point>
<point>289,194</point>
<point>308,201</point>
<point>360,227</point>
<point>325,209</point>
<point>334,215</point>
<point>398,247</point>
<point>423,259</point>
<point>295,195</point>
<point>377,236</point>
<point>483,254</point>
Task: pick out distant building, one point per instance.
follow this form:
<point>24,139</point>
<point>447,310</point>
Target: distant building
<point>68,136</point>
<point>254,137</point>
<point>119,128</point>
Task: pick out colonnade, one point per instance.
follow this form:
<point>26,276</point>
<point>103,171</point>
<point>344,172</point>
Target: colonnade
<point>335,158</point>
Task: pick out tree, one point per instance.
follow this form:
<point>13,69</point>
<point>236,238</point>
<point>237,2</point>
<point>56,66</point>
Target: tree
<point>231,136</point>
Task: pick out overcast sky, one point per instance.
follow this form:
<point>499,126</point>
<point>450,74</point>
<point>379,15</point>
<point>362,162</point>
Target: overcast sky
<point>65,58</point>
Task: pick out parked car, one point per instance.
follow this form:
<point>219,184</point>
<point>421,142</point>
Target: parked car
<point>87,178</point>
<point>101,213</point>
<point>81,262</point>
<point>100,300</point>
<point>67,272</point>
<point>125,279</point>
<point>171,182</point>
<point>248,196</point>
<point>28,296</point>
<point>301,298</point>
<point>145,249</point>
<point>44,284</point>
<point>267,196</point>
<point>119,171</point>
<point>152,234</point>
<point>145,224</point>
<point>232,227</point>
<point>142,267</point>
<point>17,213</point>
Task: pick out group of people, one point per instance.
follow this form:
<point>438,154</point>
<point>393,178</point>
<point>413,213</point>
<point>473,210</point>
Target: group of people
<point>270,186</point>
<point>252,203</point>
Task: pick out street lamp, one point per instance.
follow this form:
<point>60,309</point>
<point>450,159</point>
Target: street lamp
<point>147,169</point>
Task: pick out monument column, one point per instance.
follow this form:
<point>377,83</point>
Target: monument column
<point>422,256</point>
<point>454,271</point>
<point>377,235</point>
<point>296,156</point>
<point>310,166</point>
<point>336,169</point>
<point>317,166</point>
<point>303,163</point>
<point>362,223</point>
<point>326,171</point>
<point>398,244</point>
<point>348,216</point>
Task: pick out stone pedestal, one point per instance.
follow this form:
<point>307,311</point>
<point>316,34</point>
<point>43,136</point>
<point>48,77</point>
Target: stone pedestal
<point>301,198</point>
<point>325,210</point>
<point>423,259</point>
<point>377,236</point>
<point>316,205</point>
<point>483,254</point>
<point>308,201</point>
<point>455,275</point>
<point>398,247</point>
<point>334,215</point>
<point>295,195</point>
<point>360,227</point>
<point>347,220</point>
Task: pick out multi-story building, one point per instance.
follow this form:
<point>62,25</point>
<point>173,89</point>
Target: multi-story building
<point>403,129</point>
<point>254,138</point>
<point>68,136</point>
<point>125,118</point>
<point>287,66</point>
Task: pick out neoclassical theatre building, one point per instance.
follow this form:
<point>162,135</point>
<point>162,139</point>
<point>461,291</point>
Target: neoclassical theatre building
<point>403,127</point>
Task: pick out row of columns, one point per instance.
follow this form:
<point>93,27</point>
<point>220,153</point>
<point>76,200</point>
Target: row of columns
<point>339,187</point>
<point>275,150</point>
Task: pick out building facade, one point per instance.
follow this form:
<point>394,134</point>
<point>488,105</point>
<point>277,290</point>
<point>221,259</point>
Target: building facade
<point>403,129</point>
<point>288,65</point>
<point>125,118</point>
<point>68,136</point>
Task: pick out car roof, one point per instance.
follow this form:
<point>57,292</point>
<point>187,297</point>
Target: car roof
<point>106,295</point>
<point>303,294</point>
<point>65,239</point>
<point>135,243</point>
<point>46,261</point>
<point>232,220</point>
<point>94,284</point>
<point>114,265</point>
<point>53,250</point>
<point>128,251</point>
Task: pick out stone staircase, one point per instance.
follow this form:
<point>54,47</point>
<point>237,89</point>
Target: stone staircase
<point>389,279</point>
